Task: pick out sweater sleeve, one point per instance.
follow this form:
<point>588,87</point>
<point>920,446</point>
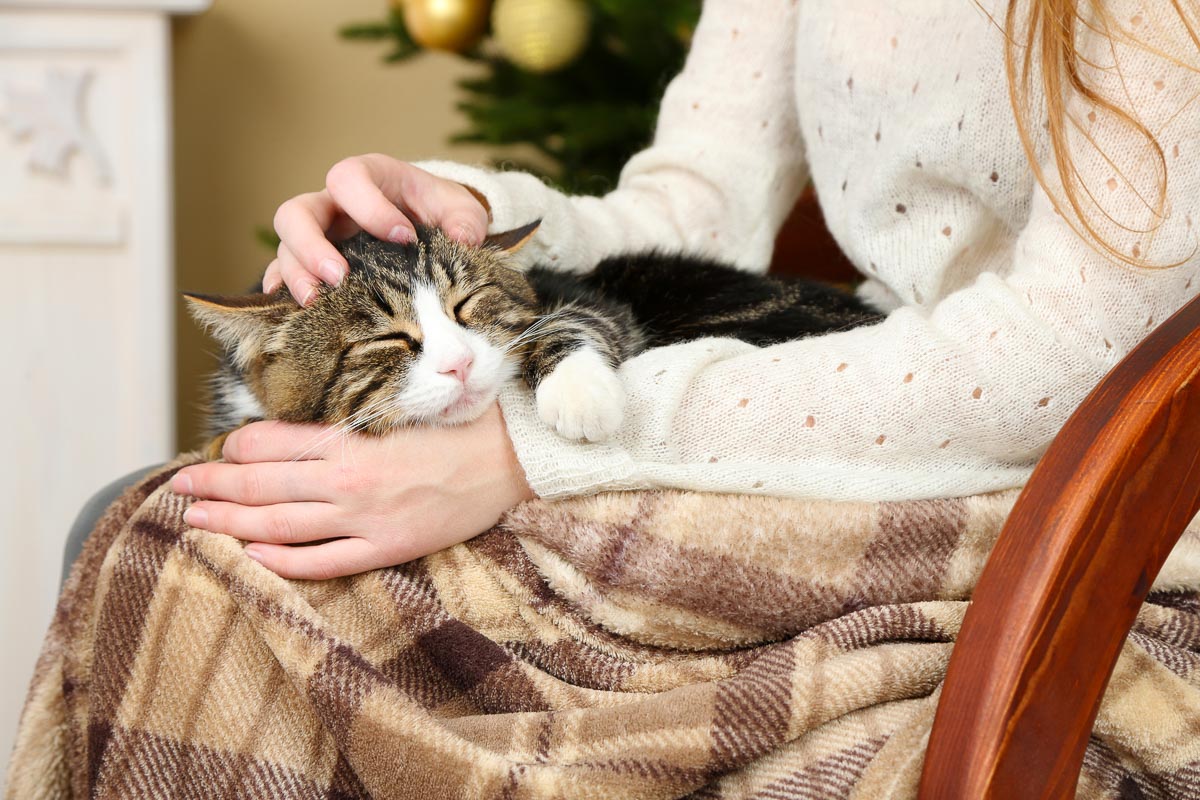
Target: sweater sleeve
<point>721,175</point>
<point>953,398</point>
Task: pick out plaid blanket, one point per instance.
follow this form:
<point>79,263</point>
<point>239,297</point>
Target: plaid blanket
<point>635,645</point>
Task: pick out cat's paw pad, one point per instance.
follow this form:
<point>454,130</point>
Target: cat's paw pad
<point>583,398</point>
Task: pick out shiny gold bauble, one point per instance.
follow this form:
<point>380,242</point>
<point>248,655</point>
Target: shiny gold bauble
<point>541,35</point>
<point>454,25</point>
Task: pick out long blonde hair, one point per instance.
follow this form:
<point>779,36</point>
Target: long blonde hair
<point>1041,54</point>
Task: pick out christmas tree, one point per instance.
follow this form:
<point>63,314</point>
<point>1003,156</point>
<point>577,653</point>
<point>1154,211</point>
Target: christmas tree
<point>579,80</point>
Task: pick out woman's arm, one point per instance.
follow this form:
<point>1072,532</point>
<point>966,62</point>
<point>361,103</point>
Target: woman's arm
<point>947,399</point>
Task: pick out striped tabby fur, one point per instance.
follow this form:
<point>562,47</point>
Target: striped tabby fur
<point>428,332</point>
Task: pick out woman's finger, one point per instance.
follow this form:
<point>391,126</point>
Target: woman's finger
<point>387,196</point>
<point>273,440</point>
<point>466,226</point>
<point>301,224</point>
<point>355,185</point>
<point>300,282</point>
<point>285,523</point>
<point>447,205</point>
<point>318,562</point>
<point>431,200</point>
<point>272,278</point>
<point>258,484</point>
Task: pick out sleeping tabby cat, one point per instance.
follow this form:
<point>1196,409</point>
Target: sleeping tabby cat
<point>428,332</point>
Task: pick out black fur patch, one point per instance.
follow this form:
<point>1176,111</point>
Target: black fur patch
<point>657,300</point>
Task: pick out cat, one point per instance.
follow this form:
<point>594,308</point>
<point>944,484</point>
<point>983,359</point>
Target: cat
<point>428,332</point>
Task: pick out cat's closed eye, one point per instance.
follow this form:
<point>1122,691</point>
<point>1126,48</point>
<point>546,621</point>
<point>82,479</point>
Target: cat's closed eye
<point>390,339</point>
<point>460,308</point>
<point>463,309</point>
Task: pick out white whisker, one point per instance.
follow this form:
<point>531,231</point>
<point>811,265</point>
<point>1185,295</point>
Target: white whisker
<point>527,334</point>
<point>344,428</point>
<point>534,332</point>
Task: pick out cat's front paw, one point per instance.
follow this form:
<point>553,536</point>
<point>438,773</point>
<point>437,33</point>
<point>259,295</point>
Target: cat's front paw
<point>582,398</point>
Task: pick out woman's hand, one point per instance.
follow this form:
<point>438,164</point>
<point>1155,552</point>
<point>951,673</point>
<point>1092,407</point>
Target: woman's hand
<point>375,193</point>
<point>382,501</point>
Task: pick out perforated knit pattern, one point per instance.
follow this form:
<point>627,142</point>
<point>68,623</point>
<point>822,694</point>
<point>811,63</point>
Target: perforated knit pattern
<point>1003,318</point>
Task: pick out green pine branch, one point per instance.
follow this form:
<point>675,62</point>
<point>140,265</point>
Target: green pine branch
<point>392,29</point>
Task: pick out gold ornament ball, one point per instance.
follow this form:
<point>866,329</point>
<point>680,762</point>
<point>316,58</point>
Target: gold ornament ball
<point>454,25</point>
<point>541,35</point>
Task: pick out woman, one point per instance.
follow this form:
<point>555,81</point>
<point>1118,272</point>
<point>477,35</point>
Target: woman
<point>937,138</point>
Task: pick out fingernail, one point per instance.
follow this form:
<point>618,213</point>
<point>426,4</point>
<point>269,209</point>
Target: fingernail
<point>254,554</point>
<point>467,235</point>
<point>400,234</point>
<point>330,271</point>
<point>308,297</point>
<point>181,484</point>
<point>196,517</point>
<point>272,287</point>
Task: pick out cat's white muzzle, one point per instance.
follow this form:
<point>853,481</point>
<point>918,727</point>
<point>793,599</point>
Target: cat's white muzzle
<point>437,391</point>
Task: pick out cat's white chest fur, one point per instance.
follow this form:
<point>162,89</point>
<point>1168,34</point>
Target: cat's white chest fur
<point>583,397</point>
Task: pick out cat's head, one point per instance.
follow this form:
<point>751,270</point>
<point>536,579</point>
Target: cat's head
<point>418,333</point>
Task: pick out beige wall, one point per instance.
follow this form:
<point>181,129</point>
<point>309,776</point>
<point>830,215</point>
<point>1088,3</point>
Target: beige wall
<point>267,97</point>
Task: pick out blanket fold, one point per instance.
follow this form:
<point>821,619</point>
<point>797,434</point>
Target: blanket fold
<point>631,645</point>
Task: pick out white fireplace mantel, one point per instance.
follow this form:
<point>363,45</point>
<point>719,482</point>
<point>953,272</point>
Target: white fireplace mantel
<point>86,264</point>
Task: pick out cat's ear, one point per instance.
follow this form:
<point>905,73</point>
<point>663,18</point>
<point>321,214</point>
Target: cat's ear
<point>514,240</point>
<point>242,323</point>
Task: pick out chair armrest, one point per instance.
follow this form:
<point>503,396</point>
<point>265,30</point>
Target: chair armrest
<point>1073,564</point>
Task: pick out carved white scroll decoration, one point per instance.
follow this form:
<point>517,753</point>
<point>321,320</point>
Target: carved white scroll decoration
<point>52,119</point>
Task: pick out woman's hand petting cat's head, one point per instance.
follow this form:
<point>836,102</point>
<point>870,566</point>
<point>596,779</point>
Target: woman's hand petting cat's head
<point>355,502</point>
<point>378,194</point>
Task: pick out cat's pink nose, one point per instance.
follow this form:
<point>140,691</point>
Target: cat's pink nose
<point>459,367</point>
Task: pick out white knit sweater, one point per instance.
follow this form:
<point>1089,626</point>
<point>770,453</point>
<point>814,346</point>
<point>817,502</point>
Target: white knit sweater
<point>1001,320</point>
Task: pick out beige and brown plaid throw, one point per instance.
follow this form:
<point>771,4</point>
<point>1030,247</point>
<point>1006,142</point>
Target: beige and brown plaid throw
<point>638,645</point>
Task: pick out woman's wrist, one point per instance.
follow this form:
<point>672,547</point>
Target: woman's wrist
<point>515,485</point>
